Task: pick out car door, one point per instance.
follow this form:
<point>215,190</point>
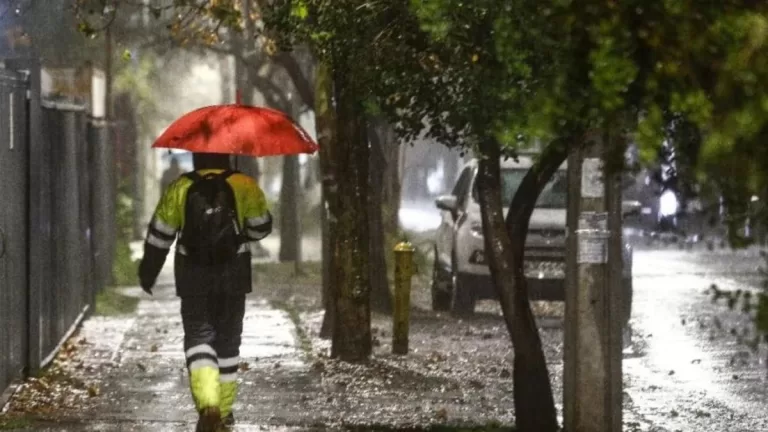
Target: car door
<point>447,228</point>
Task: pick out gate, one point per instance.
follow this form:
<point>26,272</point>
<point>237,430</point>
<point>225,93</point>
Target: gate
<point>64,298</point>
<point>57,225</point>
<point>14,214</point>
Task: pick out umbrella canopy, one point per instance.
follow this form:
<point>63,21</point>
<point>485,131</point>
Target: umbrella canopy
<point>239,130</point>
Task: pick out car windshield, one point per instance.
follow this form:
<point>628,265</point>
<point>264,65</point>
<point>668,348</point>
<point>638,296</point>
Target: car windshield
<point>553,196</point>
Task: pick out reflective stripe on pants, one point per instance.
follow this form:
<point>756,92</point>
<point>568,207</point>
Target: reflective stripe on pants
<point>213,325</point>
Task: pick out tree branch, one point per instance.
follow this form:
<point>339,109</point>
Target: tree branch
<point>300,81</point>
<point>524,201</point>
<point>273,93</point>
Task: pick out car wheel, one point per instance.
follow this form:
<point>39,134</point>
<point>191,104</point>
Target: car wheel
<point>441,292</point>
<point>463,295</point>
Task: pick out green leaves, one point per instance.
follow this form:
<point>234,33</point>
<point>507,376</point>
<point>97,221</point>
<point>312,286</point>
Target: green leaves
<point>612,71</point>
<point>87,30</point>
<point>300,10</point>
<point>431,17</point>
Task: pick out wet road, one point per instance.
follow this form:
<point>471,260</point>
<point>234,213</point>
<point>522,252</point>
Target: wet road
<point>693,370</point>
<point>691,367</point>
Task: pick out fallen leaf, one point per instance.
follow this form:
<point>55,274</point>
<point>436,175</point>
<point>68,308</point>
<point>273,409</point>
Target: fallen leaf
<point>153,348</point>
<point>716,321</point>
<point>93,391</point>
<point>441,414</point>
<point>476,384</point>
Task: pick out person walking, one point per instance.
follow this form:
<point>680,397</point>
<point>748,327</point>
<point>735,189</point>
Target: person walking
<point>213,213</point>
<point>170,175</point>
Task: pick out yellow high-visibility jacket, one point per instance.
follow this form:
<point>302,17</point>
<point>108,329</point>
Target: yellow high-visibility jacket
<point>168,221</point>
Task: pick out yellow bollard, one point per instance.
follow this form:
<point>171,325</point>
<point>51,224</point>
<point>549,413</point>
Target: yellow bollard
<point>404,270</point>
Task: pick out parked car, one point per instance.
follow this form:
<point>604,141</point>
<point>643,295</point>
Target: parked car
<point>461,275</point>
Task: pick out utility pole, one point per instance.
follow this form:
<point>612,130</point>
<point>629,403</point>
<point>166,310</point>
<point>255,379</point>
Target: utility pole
<point>592,375</point>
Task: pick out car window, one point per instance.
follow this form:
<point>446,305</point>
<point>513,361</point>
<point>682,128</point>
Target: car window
<point>553,196</point>
<point>462,186</point>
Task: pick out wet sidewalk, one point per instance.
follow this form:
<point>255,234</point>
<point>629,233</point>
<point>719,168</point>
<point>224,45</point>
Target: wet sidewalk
<point>134,377</point>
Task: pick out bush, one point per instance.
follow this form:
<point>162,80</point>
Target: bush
<point>124,269</point>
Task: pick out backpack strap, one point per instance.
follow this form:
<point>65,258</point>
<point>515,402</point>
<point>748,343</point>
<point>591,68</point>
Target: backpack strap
<point>227,173</point>
<point>193,175</point>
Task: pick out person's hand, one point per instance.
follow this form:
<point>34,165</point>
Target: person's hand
<point>147,288</point>
<point>145,281</point>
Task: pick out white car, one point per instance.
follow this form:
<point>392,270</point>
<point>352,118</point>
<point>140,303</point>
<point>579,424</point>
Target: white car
<point>461,275</point>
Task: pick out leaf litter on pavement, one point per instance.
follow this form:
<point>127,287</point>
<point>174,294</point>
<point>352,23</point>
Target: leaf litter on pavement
<point>61,388</point>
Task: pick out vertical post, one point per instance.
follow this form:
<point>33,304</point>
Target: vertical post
<point>39,224</point>
<point>592,374</point>
<point>401,316</point>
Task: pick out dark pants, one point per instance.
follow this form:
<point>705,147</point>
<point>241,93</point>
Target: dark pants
<point>215,320</point>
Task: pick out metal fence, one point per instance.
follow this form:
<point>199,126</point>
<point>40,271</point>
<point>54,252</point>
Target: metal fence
<point>57,228</point>
<point>14,187</point>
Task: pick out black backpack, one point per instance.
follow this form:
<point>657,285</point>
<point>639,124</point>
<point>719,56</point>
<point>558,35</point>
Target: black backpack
<point>211,233</point>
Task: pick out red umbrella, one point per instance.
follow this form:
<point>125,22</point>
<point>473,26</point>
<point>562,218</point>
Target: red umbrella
<point>237,129</point>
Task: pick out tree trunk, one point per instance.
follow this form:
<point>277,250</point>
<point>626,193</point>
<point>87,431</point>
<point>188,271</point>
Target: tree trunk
<point>352,322</point>
<point>290,219</point>
<point>534,404</point>
<point>227,81</point>
<point>391,186</point>
<point>381,299</point>
<point>328,245</point>
<point>325,125</point>
<point>536,178</point>
<point>518,218</point>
